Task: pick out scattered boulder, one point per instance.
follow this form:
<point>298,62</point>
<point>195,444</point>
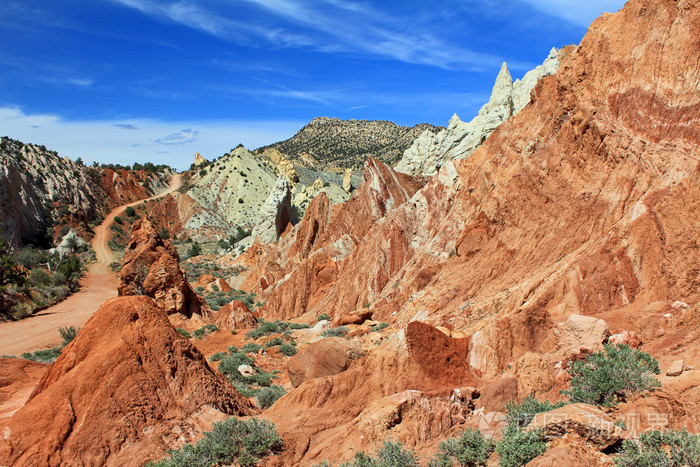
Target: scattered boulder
<point>326,357</point>
<point>629,338</point>
<point>347,180</point>
<point>69,243</point>
<point>208,282</point>
<point>676,368</point>
<point>125,390</point>
<point>151,267</point>
<point>535,374</point>
<point>583,332</point>
<point>235,315</point>
<point>357,317</point>
<point>246,370</point>
<point>586,421</point>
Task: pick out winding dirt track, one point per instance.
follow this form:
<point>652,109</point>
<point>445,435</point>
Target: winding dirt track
<point>99,284</point>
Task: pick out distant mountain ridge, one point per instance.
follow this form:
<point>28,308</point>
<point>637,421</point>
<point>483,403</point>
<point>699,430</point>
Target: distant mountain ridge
<point>336,143</point>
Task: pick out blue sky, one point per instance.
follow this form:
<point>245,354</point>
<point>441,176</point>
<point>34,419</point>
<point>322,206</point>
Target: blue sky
<point>136,80</point>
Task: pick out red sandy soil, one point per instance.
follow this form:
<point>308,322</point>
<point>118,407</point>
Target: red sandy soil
<point>98,285</point>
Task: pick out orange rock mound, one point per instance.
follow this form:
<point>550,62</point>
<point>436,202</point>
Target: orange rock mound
<point>126,389</point>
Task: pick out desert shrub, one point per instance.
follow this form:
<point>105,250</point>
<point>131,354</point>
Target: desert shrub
<point>43,356</point>
<point>39,278</point>
<point>59,279</point>
<point>608,377</point>
<point>268,396</point>
<point>195,249</point>
<point>130,211</point>
<point>30,257</point>
<point>273,327</point>
<point>251,347</point>
<point>217,356</point>
<point>118,220</point>
<point>274,341</point>
<point>288,349</point>
<point>232,349</point>
<point>393,454</point>
<point>223,300</point>
<point>518,447</point>
<point>164,233</point>
<point>183,332</point>
<point>261,378</point>
<point>115,266</point>
<point>659,449</point>
<point>520,415</point>
<point>200,288</point>
<point>230,363</point>
<point>67,333</point>
<point>323,317</point>
<point>379,327</point>
<point>233,441</point>
<point>340,331</point>
<point>205,330</point>
<point>470,449</point>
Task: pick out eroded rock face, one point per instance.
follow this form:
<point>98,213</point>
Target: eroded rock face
<point>430,151</point>
<point>585,421</point>
<point>235,315</point>
<point>126,389</point>
<point>275,214</point>
<point>326,357</point>
<point>151,267</point>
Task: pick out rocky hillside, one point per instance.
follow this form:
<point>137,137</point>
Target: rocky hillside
<point>34,181</point>
<point>431,150</point>
<point>234,191</point>
<point>42,194</point>
<point>579,216</point>
<point>331,143</point>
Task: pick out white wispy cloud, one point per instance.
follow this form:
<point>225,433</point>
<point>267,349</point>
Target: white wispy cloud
<point>105,141</point>
<point>326,25</point>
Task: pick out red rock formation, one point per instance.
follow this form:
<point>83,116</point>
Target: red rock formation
<point>208,282</point>
<point>151,267</point>
<point>329,417</point>
<point>326,357</point>
<point>587,202</point>
<point>127,388</point>
<point>235,315</point>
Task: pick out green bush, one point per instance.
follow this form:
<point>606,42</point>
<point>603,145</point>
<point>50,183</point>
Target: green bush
<point>606,378</point>
<point>658,449</point>
<point>233,441</point>
<point>118,220</point>
<point>251,347</point>
<point>205,330</point>
<point>130,211</point>
<point>340,331</point>
<point>268,396</point>
<point>471,449</point>
<point>229,364</point>
<point>323,317</point>
<point>520,415</point>
<point>274,341</point>
<point>39,278</point>
<point>43,356</point>
<point>195,250</point>
<point>217,356</point>
<point>379,327</point>
<point>518,447</point>
<point>59,279</point>
<point>183,332</point>
<point>288,350</point>
<point>67,334</point>
<point>273,327</point>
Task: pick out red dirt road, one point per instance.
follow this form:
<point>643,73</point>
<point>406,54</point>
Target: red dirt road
<point>98,285</point>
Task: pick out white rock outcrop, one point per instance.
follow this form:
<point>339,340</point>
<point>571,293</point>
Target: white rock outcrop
<point>431,151</point>
<point>275,214</point>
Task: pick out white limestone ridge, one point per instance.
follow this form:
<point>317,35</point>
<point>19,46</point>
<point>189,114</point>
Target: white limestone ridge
<point>275,214</point>
<point>430,151</point>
